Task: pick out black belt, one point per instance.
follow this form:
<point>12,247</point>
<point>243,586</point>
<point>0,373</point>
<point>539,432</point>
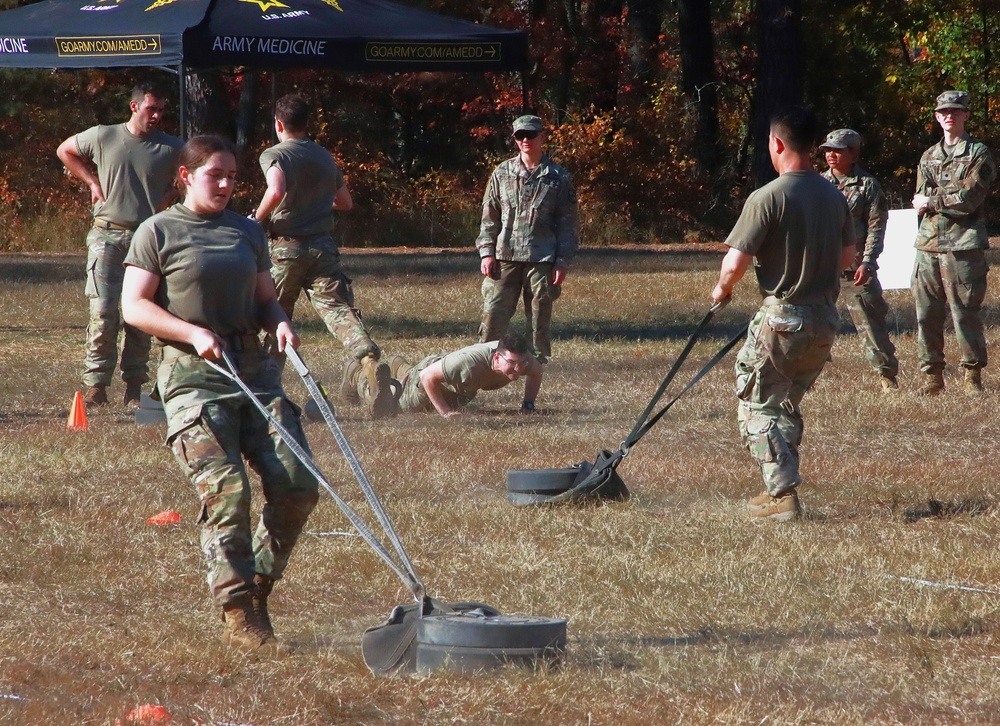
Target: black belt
<point>106,224</point>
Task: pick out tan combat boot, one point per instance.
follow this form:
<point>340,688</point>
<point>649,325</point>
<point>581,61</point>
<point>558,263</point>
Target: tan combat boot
<point>245,632</point>
<point>398,367</point>
<point>782,508</point>
<point>96,395</point>
<point>349,383</point>
<point>382,401</point>
<point>889,384</point>
<point>933,385</point>
<point>133,392</point>
<point>973,380</point>
<point>262,587</point>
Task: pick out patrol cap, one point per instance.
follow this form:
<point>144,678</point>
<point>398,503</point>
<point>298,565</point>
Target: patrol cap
<point>528,123</point>
<point>842,139</point>
<point>953,99</point>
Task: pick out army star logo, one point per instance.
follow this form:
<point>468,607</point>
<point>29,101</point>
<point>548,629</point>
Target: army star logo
<point>266,4</point>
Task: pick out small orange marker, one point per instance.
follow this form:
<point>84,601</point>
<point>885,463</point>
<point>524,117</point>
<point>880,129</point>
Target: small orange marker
<point>77,414</point>
<point>166,517</point>
<point>147,713</point>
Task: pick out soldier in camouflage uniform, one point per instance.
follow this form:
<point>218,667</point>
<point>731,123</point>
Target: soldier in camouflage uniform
<point>859,286</point>
<point>447,383</point>
<point>529,234</point>
<point>800,223</point>
<point>198,278</point>
<point>304,187</point>
<point>135,164</point>
<point>953,179</point>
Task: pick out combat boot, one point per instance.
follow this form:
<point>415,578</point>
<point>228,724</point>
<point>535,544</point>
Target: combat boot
<point>782,508</point>
<point>398,367</point>
<point>96,395</point>
<point>133,392</point>
<point>973,380</point>
<point>349,383</point>
<point>933,385</point>
<point>245,632</point>
<point>889,384</point>
<point>382,400</point>
<point>262,587</point>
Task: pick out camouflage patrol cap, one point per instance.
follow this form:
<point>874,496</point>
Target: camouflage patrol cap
<point>528,123</point>
<point>953,99</point>
<point>842,139</point>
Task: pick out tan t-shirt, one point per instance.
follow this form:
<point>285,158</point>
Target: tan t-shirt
<point>208,267</point>
<point>470,369</point>
<point>135,172</point>
<point>796,227</point>
<point>312,180</point>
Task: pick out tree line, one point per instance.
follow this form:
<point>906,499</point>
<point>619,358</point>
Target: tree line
<point>659,109</point>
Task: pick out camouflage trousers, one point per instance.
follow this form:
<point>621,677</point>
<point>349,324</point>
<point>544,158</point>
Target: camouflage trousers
<point>785,351</point>
<point>212,426</point>
<point>532,282</point>
<point>106,250</point>
<point>413,397</point>
<point>956,280</point>
<point>869,310</point>
<point>313,264</point>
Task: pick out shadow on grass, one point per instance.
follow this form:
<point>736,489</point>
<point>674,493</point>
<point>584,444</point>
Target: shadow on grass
<point>973,506</point>
<point>16,268</point>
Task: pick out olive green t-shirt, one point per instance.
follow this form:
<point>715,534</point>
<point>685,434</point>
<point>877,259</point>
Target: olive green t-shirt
<point>135,172</point>
<point>208,267</point>
<point>470,369</point>
<point>312,180</point>
<point>796,228</point>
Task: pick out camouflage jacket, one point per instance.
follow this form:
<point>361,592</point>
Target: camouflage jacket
<point>869,210</point>
<point>529,216</point>
<point>956,184</point>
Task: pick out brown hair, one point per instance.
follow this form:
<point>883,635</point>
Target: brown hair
<point>293,112</point>
<point>197,151</point>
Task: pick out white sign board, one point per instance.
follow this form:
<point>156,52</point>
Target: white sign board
<point>895,264</point>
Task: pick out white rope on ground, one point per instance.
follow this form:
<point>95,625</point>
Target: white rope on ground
<point>12,697</point>
<point>333,534</point>
<point>927,583</point>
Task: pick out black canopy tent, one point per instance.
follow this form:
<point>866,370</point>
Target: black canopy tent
<point>183,35</point>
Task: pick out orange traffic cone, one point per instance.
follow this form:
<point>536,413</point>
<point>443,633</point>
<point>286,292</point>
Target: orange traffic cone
<point>77,414</point>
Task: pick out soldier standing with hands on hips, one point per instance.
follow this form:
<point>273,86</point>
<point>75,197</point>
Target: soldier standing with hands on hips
<point>528,235</point>
<point>953,179</point>
<point>135,164</point>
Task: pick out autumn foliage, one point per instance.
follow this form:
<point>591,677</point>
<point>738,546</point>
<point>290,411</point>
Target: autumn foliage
<point>417,148</point>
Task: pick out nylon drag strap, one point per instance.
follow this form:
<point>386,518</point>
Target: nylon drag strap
<point>644,423</point>
<point>405,571</point>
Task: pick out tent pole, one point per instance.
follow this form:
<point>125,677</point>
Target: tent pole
<point>182,91</point>
<point>274,103</point>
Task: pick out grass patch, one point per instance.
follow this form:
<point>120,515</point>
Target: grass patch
<point>680,610</point>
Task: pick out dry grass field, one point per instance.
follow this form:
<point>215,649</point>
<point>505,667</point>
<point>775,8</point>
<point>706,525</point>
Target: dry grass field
<point>680,610</point>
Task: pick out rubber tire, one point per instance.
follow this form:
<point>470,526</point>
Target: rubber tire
<point>504,631</point>
<point>542,481</point>
<point>455,658</point>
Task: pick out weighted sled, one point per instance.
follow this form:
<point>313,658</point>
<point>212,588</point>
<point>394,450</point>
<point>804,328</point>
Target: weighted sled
<point>466,660</point>
<point>542,481</point>
<point>390,648</point>
<point>470,630</point>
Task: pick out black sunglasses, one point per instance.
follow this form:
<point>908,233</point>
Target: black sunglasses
<point>522,135</point>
